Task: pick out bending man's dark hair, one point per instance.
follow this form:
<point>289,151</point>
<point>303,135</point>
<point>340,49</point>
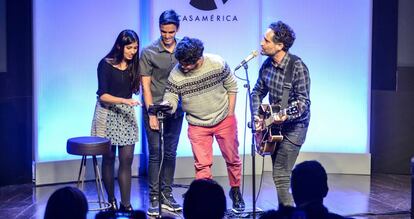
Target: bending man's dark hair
<point>189,50</point>
<point>283,34</point>
<point>169,17</point>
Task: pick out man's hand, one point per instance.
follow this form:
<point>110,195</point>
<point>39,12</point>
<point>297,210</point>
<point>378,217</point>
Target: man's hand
<point>153,122</point>
<point>166,103</point>
<point>258,123</point>
<point>279,118</point>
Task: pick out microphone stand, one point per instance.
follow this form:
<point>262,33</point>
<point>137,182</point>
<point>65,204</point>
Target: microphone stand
<point>160,117</point>
<point>253,147</point>
<point>160,111</point>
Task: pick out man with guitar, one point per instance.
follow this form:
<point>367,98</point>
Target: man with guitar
<point>285,78</point>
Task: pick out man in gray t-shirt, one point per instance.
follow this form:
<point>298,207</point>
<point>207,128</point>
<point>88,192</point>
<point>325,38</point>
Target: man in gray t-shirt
<point>156,62</point>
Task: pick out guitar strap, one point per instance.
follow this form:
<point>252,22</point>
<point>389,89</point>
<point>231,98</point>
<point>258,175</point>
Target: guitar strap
<point>287,83</point>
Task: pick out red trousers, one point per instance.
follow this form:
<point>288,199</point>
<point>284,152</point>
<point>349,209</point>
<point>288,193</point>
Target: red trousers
<point>201,139</point>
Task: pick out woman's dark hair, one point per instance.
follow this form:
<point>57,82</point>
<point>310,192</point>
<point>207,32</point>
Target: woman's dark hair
<point>169,17</point>
<point>189,50</point>
<point>283,34</point>
<point>67,203</point>
<point>116,55</point>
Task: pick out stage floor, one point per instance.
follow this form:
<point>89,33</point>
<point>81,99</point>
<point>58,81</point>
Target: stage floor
<point>350,195</point>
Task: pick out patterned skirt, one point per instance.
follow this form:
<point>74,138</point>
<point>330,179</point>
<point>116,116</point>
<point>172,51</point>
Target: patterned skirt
<point>116,122</point>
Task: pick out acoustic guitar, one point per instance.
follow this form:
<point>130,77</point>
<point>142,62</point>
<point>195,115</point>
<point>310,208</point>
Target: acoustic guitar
<point>270,134</point>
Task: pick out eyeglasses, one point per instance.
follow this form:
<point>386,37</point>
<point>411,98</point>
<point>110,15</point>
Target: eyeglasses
<point>187,66</point>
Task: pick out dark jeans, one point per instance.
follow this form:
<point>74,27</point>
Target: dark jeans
<point>172,130</point>
<point>284,159</point>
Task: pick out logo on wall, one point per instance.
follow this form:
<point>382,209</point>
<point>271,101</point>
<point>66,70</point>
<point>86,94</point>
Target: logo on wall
<point>205,5</point>
<point>208,5</point>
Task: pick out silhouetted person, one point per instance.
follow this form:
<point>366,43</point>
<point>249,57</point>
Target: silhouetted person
<point>309,187</point>
<point>204,199</point>
<point>66,203</point>
<point>284,212</point>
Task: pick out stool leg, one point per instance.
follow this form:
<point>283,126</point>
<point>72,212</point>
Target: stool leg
<point>98,181</point>
<point>81,175</point>
<point>101,190</point>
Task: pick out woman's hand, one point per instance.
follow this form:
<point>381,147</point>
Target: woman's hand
<point>131,102</point>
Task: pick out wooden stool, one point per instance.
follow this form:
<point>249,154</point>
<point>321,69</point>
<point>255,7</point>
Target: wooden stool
<point>90,146</point>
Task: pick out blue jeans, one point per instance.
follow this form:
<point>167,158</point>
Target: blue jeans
<point>284,158</point>
<point>172,130</point>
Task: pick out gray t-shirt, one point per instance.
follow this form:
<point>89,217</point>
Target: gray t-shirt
<point>157,62</point>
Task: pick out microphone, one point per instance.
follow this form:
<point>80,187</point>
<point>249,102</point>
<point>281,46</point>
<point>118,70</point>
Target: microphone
<point>247,59</point>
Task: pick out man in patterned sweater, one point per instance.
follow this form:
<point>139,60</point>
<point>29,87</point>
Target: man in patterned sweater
<point>207,89</point>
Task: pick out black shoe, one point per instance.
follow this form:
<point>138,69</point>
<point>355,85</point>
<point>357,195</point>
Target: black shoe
<point>124,208</point>
<point>153,209</point>
<point>237,198</point>
<point>113,206</point>
<point>169,203</point>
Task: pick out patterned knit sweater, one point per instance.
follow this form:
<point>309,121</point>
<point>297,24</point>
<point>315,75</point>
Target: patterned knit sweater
<point>203,91</point>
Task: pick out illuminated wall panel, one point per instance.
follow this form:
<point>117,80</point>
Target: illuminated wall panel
<point>333,39</point>
<point>70,38</point>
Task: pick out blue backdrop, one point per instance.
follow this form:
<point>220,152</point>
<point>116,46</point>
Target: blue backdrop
<point>333,39</point>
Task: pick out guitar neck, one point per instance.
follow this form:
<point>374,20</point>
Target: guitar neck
<point>269,121</point>
<point>291,111</point>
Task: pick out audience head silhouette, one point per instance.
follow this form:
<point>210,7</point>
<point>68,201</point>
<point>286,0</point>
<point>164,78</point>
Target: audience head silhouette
<point>204,199</point>
<point>284,212</point>
<point>309,182</point>
<point>309,187</point>
<point>66,203</point>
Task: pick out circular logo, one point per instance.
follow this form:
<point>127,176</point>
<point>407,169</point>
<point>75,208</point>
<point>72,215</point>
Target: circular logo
<point>205,5</point>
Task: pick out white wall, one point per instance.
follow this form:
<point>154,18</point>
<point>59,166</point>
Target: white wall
<point>333,39</point>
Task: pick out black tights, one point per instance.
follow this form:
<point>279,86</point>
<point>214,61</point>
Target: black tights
<point>126,155</point>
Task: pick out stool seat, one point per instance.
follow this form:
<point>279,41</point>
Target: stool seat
<point>88,145</point>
